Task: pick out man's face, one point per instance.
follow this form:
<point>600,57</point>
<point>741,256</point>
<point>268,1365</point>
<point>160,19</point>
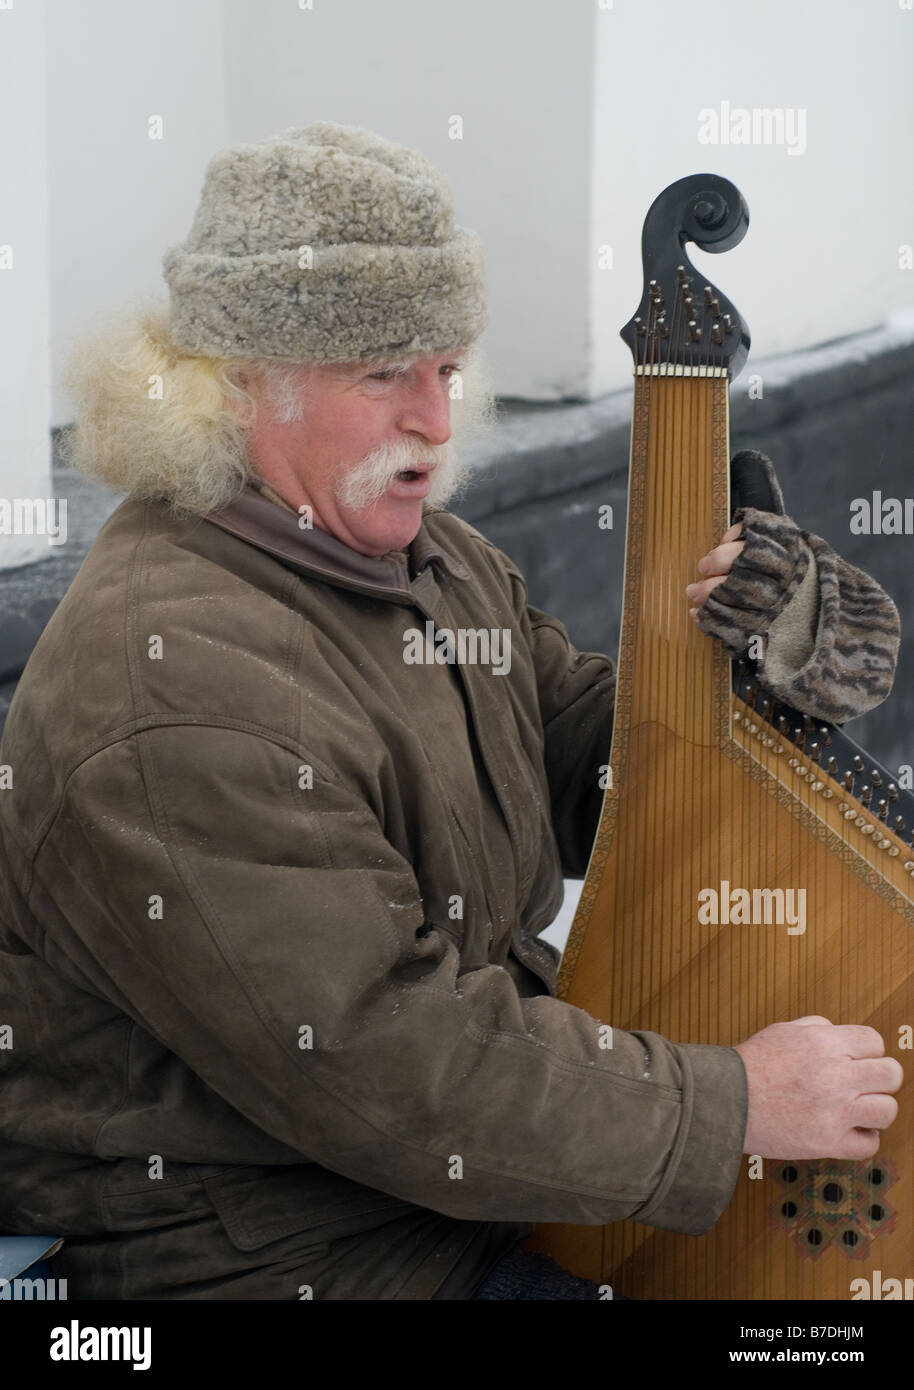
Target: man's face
<point>361,428</point>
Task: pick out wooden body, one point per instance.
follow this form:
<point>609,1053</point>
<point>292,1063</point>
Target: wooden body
<point>705,794</point>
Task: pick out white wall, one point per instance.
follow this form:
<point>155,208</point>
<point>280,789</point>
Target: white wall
<point>575,116</point>
<point>820,258</point>
<point>25,455</point>
<point>516,72</point>
<point>119,198</point>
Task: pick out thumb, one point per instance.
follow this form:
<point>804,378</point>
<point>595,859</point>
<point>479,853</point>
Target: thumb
<point>811,1018</point>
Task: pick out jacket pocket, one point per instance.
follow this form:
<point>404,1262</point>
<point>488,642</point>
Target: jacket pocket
<point>259,1205</point>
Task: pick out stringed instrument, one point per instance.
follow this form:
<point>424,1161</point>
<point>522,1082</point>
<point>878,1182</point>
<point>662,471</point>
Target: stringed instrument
<point>716,785</point>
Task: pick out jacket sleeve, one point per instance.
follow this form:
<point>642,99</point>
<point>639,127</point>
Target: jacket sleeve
<point>576,693</point>
<point>273,939</point>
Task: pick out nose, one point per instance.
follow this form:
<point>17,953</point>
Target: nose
<point>428,410</point>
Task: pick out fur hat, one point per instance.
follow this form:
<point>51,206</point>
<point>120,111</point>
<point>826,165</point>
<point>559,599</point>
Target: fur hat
<point>326,244</point>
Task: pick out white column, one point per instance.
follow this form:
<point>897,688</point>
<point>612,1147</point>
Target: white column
<point>25,447</point>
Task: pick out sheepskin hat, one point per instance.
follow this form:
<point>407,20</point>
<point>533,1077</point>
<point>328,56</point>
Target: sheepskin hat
<point>326,244</point>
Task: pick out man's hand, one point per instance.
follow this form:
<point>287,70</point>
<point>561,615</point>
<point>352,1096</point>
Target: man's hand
<point>717,564</point>
<point>818,1090</point>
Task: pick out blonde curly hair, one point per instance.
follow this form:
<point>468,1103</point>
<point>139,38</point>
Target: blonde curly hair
<point>153,421</point>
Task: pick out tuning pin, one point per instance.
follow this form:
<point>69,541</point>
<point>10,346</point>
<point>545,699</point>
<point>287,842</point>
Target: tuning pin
<point>814,751</point>
<point>831,766</point>
<point>694,332</point>
<point>898,824</point>
<point>728,323</point>
<point>825,736</point>
<point>882,809</point>
<point>857,763</point>
<point>765,711</point>
<point>709,296</point>
<point>782,724</point>
<point>876,779</point>
<point>639,327</point>
<point>799,737</point>
<point>893,792</point>
<point>866,795</point>
<point>849,781</point>
<point>716,333</point>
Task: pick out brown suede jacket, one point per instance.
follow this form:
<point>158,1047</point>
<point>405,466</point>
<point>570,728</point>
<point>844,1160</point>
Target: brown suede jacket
<point>274,1015</point>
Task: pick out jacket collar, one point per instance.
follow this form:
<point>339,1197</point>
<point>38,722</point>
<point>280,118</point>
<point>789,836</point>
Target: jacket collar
<point>274,528</point>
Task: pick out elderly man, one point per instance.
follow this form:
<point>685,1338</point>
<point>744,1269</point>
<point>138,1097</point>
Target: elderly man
<point>273,874</point>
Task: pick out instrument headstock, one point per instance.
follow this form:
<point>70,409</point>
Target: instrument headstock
<point>684,325</point>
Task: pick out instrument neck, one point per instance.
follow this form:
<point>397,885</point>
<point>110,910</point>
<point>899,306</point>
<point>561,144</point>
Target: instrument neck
<point>678,509</point>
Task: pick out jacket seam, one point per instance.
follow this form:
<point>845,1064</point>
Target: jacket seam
<point>145,724</point>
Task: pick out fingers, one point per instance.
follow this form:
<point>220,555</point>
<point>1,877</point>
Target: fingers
<point>811,1018</point>
<point>878,1074</point>
<point>699,592</point>
<point>874,1112</point>
<point>860,1041</point>
<point>716,565</point>
<point>720,559</point>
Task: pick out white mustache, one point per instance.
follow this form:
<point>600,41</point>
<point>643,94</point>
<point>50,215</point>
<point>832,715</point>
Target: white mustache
<point>366,483</point>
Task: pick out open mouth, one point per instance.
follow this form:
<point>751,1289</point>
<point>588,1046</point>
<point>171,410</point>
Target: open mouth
<point>409,475</point>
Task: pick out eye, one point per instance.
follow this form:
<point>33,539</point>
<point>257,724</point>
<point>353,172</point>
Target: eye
<point>453,367</point>
<point>388,374</point>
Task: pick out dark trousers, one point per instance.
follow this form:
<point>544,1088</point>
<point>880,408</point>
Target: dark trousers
<point>521,1274</point>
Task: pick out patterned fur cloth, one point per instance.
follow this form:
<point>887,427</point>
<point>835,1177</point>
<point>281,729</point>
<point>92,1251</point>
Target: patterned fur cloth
<point>831,631</point>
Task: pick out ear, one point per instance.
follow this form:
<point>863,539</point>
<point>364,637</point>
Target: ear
<point>754,483</point>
